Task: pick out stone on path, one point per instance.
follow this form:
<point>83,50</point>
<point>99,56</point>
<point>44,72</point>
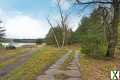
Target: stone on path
<point>72,73</point>
<point>54,73</point>
<point>43,77</point>
<point>52,70</point>
<point>73,79</point>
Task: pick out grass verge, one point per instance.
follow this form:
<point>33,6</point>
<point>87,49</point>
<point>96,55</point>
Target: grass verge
<point>10,56</point>
<point>12,53</point>
<point>97,69</point>
<point>36,65</point>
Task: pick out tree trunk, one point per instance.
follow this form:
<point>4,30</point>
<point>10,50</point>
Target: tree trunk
<point>64,37</point>
<point>113,30</point>
<point>57,43</point>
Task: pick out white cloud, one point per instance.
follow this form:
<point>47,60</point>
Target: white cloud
<point>23,26</point>
<point>18,25</point>
<point>73,22</point>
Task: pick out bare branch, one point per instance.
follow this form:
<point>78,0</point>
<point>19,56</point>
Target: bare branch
<point>63,18</point>
<point>93,2</point>
<point>61,12</point>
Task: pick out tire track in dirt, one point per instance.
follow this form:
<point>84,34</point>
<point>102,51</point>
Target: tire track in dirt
<point>52,70</point>
<point>20,61</point>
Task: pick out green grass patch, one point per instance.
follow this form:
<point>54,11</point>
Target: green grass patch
<point>11,56</point>
<point>36,65</point>
<point>11,61</point>
<point>12,53</point>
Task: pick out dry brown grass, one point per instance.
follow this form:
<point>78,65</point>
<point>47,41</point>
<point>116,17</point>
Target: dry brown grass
<point>97,69</point>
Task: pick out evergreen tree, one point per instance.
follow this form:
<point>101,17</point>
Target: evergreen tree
<point>92,35</point>
<point>1,31</point>
<point>112,14</point>
<point>1,34</point>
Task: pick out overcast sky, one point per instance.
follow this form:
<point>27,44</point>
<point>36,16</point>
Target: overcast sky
<point>27,18</point>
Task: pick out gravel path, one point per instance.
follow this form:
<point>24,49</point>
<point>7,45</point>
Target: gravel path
<point>22,59</point>
<point>52,70</point>
<point>72,72</point>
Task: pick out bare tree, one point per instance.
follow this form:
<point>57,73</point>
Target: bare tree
<point>112,35</point>
<point>57,43</point>
<point>63,21</point>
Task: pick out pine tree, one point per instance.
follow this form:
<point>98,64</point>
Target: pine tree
<point>92,35</point>
<point>112,8</point>
<point>2,30</point>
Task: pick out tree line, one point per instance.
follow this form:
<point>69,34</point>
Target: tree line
<point>97,33</point>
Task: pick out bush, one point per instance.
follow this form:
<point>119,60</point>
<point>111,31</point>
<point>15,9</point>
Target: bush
<point>93,47</point>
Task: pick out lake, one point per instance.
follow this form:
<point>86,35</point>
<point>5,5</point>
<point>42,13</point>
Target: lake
<point>19,44</point>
